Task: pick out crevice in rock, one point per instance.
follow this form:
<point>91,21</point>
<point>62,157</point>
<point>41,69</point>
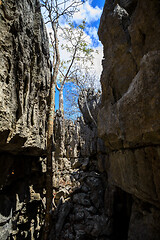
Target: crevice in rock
<point>121,214</point>
<point>129,5</point>
<point>103,189</point>
<point>7,79</point>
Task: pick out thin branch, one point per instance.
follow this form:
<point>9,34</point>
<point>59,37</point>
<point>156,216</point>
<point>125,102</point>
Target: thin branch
<point>54,53</point>
<point>58,88</point>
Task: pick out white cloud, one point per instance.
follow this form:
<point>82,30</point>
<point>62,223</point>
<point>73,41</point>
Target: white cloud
<point>87,13</point>
<point>97,61</point>
<point>90,14</point>
<point>92,31</point>
<point>63,53</point>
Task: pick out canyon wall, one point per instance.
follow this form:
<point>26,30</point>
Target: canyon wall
<point>24,89</point>
<point>24,75</point>
<point>129,116</point>
<point>106,167</point>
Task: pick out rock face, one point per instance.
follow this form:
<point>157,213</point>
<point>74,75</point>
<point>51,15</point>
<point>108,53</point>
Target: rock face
<point>106,181</point>
<point>24,77</point>
<point>24,88</point>
<point>129,116</point>
<point>89,102</point>
<point>78,185</point>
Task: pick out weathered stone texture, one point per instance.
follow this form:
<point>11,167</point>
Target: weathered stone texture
<point>129,116</point>
<point>144,222</point>
<point>79,188</point>
<point>24,76</point>
<point>130,99</point>
<point>24,88</point>
<point>88,102</point>
<point>137,172</point>
<point>21,197</point>
<point>106,186</point>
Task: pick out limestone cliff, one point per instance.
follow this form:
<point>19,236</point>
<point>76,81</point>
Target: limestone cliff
<point>24,88</point>
<point>106,169</point>
<point>24,77</point>
<point>129,117</point>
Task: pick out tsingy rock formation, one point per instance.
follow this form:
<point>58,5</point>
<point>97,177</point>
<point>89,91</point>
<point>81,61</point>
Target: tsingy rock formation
<point>24,88</point>
<point>24,76</point>
<point>105,185</point>
<point>78,186</point>
<point>129,117</point>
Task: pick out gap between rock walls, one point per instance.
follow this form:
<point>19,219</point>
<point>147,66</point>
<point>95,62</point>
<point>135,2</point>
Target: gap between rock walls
<point>106,174</point>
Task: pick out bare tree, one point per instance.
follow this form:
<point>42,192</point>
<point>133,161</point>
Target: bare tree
<point>79,54</point>
<point>54,11</point>
<point>85,80</point>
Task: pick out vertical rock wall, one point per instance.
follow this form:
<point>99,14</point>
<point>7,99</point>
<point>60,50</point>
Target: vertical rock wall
<point>103,192</point>
<point>24,76</point>
<point>24,88</point>
<point>129,116</point>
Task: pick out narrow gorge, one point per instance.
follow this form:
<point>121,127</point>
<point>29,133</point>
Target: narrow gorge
<point>106,173</point>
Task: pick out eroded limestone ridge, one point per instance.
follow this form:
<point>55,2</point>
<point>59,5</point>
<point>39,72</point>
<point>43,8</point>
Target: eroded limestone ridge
<point>78,186</point>
<point>105,180</point>
<point>24,77</point>
<point>24,88</point>
<point>129,117</point>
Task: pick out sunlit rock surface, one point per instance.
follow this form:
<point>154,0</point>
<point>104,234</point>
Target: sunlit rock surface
<point>24,88</point>
<point>24,77</point>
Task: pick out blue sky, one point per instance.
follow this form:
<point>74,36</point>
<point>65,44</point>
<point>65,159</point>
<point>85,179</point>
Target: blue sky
<point>91,12</point>
<point>99,3</point>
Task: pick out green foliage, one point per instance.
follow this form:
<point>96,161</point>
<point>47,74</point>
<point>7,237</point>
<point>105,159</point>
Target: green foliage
<point>78,49</point>
<point>75,42</point>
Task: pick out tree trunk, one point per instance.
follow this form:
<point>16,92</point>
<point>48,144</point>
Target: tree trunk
<point>50,141</point>
<point>62,130</point>
<point>61,107</point>
<point>50,155</point>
